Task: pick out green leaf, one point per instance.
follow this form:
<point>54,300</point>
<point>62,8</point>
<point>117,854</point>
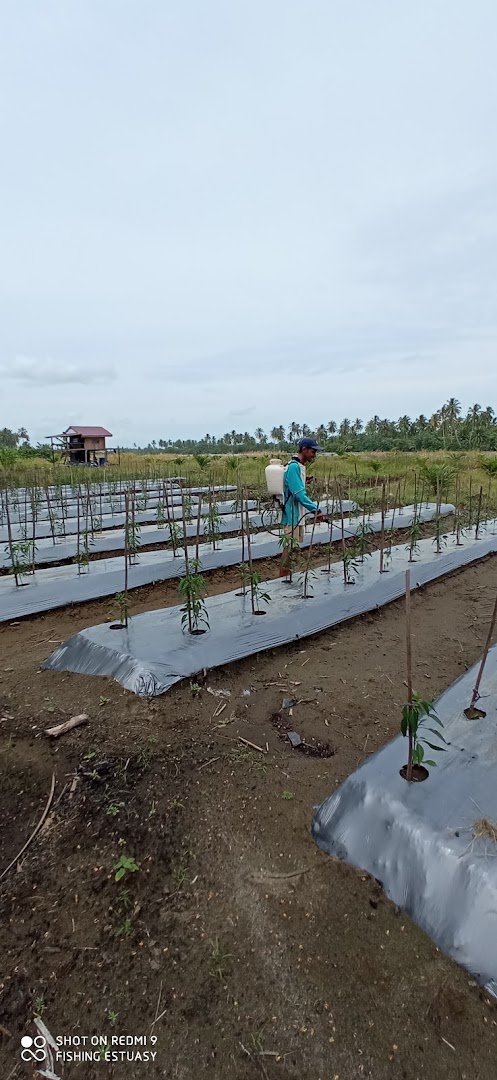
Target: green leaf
<point>432,746</point>
<point>438,735</point>
<point>433,764</point>
<point>403,726</point>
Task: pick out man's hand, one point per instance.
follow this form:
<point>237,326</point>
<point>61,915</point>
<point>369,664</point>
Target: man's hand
<point>319,517</point>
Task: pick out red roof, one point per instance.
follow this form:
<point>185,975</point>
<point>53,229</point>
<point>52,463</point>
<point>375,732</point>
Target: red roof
<point>88,432</point>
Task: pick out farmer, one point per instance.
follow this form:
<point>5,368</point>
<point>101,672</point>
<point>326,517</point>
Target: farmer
<point>296,500</point>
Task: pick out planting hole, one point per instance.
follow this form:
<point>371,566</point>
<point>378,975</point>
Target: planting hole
<point>117,626</point>
<point>197,632</point>
<point>472,713</point>
<point>419,773</point>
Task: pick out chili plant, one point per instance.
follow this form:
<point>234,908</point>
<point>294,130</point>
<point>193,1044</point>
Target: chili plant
<point>244,575</point>
<point>192,588</point>
<point>257,596</point>
<point>133,532</point>
<point>122,603</point>
<point>291,553</point>
<point>415,534</point>
<point>415,714</point>
<point>212,531</point>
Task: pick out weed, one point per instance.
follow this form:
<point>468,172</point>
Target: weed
<point>114,808</point>
<point>112,1016</point>
<point>287,795</point>
<point>125,929</point>
<point>195,689</point>
<point>220,959</point>
<point>39,1005</point>
<point>124,899</point>
<point>103,700</point>
<point>246,758</point>
<point>125,864</point>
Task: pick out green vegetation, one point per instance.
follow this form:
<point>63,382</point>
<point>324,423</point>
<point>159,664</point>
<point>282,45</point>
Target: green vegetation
<point>124,865</point>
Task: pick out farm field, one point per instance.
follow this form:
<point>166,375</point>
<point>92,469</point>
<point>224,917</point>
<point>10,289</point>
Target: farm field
<point>231,937</point>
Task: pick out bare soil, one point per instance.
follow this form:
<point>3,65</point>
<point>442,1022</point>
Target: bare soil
<point>261,957</point>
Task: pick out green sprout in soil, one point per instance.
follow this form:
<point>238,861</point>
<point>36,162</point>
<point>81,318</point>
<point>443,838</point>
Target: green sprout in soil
<point>112,1016</point>
<point>124,865</point>
<point>287,795</point>
<point>39,1005</point>
<point>220,959</point>
<point>103,700</point>
<point>415,714</point>
<point>114,808</point>
<point>195,689</point>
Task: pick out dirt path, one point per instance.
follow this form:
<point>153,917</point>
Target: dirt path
<point>269,959</point>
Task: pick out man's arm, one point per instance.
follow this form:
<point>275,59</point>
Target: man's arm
<point>297,489</point>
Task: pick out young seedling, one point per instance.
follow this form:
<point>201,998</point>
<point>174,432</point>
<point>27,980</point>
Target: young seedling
<point>415,713</point>
<point>291,553</point>
<point>125,865</point>
<point>257,596</point>
<point>212,531</point>
<point>122,603</point>
<point>244,575</point>
<point>192,589</point>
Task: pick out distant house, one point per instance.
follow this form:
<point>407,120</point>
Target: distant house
<point>83,445</point>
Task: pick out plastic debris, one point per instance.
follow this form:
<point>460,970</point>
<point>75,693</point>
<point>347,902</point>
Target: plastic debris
<point>218,693</point>
<point>294,738</point>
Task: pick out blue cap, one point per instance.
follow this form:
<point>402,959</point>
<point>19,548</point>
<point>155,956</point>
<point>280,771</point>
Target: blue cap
<point>309,444</point>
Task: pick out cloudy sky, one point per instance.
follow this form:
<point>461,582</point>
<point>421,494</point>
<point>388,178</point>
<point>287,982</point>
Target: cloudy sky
<point>235,213</point>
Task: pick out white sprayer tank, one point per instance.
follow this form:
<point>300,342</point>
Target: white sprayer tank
<point>275,477</point>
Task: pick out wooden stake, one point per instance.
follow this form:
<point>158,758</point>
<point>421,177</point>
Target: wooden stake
<point>485,654</point>
<point>409,664</point>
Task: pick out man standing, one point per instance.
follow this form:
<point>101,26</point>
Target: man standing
<point>296,500</point>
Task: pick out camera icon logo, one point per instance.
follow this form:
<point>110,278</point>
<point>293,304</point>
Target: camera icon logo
<point>33,1049</point>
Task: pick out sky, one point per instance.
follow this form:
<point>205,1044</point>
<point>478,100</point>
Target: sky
<point>239,213</point>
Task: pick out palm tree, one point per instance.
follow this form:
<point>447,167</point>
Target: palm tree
<point>321,433</point>
<point>278,434</point>
<point>260,435</point>
<point>344,429</point>
<point>331,427</point>
<point>294,432</point>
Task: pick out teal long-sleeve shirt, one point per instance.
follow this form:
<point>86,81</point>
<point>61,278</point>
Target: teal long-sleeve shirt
<point>296,499</point>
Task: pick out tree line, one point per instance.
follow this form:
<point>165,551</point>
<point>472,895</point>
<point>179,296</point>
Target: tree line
<point>447,429</point>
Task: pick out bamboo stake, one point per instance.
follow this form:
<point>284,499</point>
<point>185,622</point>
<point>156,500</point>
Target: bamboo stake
<point>78,528</point>
<point>491,628</point>
<point>126,554</point>
<point>478,514</point>
<point>11,542</point>
<point>382,531</point>
<point>197,538</point>
<point>409,665</point>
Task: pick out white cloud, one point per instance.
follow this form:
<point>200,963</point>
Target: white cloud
<point>44,371</point>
